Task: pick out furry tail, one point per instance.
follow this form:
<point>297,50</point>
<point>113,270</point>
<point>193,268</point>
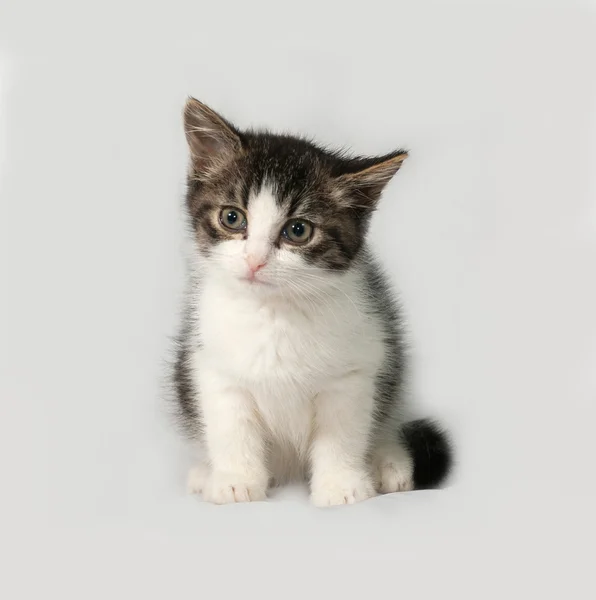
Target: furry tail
<point>431,451</point>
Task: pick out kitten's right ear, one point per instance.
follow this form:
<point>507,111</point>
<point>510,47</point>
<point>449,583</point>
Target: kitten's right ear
<point>210,137</point>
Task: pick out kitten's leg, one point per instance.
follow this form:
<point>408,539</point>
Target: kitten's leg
<point>234,443</point>
<point>393,468</point>
<point>343,424</point>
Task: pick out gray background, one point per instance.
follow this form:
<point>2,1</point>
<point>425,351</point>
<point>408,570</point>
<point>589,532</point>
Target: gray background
<point>489,231</point>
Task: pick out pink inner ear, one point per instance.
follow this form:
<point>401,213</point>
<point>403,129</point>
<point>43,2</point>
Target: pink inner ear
<point>371,180</point>
<point>205,149</point>
<point>209,136</point>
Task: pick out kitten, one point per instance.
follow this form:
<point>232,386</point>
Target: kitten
<point>290,361</point>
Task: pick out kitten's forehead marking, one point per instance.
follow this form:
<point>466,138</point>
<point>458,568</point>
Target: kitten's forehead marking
<point>265,220</point>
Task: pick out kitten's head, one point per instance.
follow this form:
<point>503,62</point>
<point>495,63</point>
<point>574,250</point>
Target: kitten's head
<point>275,211</point>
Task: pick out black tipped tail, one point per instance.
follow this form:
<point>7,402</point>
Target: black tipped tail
<point>431,450</point>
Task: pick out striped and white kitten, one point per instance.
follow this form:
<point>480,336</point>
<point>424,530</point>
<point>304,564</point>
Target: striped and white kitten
<point>290,361</point>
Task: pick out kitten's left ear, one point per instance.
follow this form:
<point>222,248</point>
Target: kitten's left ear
<point>210,137</point>
<point>368,177</point>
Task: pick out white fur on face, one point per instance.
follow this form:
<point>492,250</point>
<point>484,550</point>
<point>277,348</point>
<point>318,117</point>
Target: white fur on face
<point>265,221</point>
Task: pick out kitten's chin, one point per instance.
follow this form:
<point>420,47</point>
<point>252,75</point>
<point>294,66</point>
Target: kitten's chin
<point>257,283</point>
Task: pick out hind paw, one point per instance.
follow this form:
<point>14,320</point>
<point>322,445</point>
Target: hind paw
<point>394,478</point>
<point>394,470</point>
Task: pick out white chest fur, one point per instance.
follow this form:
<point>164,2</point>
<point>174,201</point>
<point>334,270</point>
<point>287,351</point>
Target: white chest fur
<point>284,352</point>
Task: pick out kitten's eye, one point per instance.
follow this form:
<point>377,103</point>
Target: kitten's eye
<point>232,218</point>
<point>297,231</point>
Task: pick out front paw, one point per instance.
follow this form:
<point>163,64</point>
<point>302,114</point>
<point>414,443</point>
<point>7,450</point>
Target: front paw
<point>336,489</point>
<point>226,488</point>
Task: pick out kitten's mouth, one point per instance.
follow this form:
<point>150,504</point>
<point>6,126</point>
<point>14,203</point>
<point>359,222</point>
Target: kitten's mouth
<point>255,281</point>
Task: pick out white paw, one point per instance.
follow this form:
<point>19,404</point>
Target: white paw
<point>197,478</point>
<point>338,489</point>
<point>226,488</point>
<point>395,477</point>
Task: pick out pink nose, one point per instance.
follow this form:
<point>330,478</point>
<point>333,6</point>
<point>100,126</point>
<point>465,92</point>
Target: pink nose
<point>255,264</point>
